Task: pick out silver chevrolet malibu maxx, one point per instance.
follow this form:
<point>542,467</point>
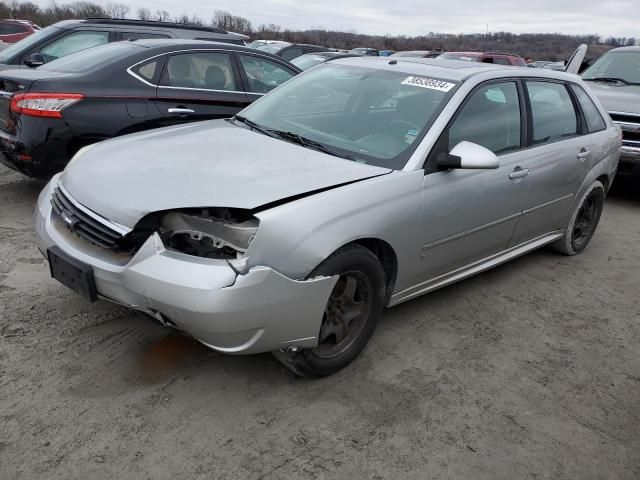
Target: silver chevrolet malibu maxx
<point>355,186</point>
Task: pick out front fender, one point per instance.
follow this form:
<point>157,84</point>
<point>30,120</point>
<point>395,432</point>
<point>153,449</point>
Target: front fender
<point>295,237</point>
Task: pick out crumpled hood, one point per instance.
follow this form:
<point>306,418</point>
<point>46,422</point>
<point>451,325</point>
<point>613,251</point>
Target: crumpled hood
<point>617,98</point>
<point>206,164</point>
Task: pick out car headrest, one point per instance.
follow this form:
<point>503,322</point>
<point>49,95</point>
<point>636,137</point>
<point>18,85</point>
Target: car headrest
<point>180,66</point>
<point>215,78</point>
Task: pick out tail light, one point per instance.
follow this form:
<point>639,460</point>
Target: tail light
<point>43,104</point>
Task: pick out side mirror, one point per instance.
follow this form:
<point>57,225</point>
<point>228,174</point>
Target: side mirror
<point>34,60</point>
<point>471,156</point>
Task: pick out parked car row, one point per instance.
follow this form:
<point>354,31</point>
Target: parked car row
<point>615,79</point>
<point>70,36</point>
<point>12,30</point>
<point>287,222</point>
<point>49,113</point>
<point>287,50</point>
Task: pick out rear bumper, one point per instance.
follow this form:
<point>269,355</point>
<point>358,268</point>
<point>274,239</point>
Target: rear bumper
<point>8,154</point>
<point>40,148</point>
<point>259,311</point>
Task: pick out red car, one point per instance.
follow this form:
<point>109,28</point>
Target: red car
<point>486,57</point>
<point>12,31</point>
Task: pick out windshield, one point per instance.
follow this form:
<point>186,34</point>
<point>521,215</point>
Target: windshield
<point>372,116</point>
<point>305,62</point>
<point>623,66</point>
<point>26,43</point>
<point>86,60</point>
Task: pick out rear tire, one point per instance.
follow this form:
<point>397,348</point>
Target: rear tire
<point>351,315</point>
<point>583,222</point>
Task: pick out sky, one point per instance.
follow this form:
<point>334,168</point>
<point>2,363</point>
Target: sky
<point>414,17</point>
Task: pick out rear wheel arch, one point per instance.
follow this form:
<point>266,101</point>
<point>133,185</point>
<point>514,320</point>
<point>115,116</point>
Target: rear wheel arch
<point>604,180</point>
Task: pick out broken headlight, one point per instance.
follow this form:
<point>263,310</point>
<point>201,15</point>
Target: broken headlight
<point>209,233</point>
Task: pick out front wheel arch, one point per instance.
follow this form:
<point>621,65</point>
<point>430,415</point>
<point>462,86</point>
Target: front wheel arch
<point>384,252</point>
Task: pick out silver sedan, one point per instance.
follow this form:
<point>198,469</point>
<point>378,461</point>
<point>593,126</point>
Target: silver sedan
<point>356,186</point>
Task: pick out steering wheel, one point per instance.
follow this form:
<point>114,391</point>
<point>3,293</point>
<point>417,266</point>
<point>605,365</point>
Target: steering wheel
<point>399,128</point>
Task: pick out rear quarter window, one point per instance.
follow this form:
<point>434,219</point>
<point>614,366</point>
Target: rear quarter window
<point>595,122</point>
<point>149,70</point>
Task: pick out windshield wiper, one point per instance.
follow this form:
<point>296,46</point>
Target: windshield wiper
<point>254,126</point>
<point>312,144</point>
<point>292,137</point>
<point>609,80</point>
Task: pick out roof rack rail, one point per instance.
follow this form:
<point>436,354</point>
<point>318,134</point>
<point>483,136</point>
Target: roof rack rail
<point>153,23</point>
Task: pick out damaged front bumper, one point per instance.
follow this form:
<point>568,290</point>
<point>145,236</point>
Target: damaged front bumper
<point>259,311</point>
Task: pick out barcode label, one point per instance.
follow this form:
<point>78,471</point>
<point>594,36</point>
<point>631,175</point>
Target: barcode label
<point>431,83</point>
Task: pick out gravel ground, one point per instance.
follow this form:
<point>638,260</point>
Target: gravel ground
<point>531,370</point>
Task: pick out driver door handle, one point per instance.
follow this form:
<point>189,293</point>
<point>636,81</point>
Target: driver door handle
<point>181,110</point>
<point>518,173</point>
<point>583,155</point>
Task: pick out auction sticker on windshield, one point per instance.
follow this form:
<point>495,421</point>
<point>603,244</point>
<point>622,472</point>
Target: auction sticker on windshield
<point>431,83</point>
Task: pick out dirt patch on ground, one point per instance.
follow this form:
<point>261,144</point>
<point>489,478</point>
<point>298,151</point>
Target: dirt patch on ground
<point>531,370</point>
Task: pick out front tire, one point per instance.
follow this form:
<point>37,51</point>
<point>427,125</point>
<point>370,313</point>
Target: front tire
<point>583,222</point>
<point>351,315</point>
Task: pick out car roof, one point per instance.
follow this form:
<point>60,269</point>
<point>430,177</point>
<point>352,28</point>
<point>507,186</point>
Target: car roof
<point>626,49</point>
<point>271,42</point>
<point>166,45</point>
<point>307,45</point>
<point>456,70</point>
<point>477,53</point>
<point>186,43</point>
<point>146,24</point>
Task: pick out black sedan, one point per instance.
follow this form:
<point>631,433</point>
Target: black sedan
<point>48,114</point>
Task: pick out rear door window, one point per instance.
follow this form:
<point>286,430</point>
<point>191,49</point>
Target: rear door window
<point>501,61</point>
<point>202,70</point>
<point>554,117</point>
<point>74,42</point>
<point>595,122</point>
<point>491,118</point>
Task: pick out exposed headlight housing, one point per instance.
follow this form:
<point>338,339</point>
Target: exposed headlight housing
<point>209,233</point>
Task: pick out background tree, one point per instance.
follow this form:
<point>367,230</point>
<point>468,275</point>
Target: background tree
<point>144,14</point>
<point>116,10</point>
<point>233,23</point>
<point>543,46</point>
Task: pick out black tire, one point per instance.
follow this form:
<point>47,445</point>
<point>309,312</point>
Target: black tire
<point>342,338</point>
<point>583,222</point>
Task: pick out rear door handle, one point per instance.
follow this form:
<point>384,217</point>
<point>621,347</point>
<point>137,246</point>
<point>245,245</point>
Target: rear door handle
<point>519,173</point>
<point>181,110</point>
<point>583,155</point>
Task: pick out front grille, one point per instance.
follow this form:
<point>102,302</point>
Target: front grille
<point>82,224</point>
<point>630,125</point>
